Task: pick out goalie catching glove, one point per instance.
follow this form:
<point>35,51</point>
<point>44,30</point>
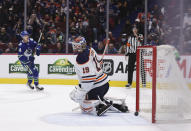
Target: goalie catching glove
<point>78,94</point>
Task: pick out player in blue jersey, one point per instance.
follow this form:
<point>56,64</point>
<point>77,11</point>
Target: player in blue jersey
<point>27,48</point>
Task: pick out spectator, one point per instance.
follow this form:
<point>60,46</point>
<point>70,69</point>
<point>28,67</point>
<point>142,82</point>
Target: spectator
<point>153,39</point>
<point>59,48</point>
<point>140,25</point>
<point>112,49</point>
<point>154,27</point>
<point>93,24</point>
<point>1,51</point>
<point>4,37</point>
<point>122,49</point>
<point>123,9</point>
<point>102,20</point>
<point>60,40</point>
<point>101,47</point>
<point>156,11</point>
<point>127,27</point>
<point>35,24</point>
<point>122,40</point>
<point>18,27</point>
<point>11,48</point>
<point>60,35</point>
<point>187,19</point>
<point>51,40</point>
<point>86,16</point>
<point>112,40</point>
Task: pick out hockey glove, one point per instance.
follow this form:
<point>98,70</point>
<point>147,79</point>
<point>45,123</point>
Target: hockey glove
<point>177,56</point>
<point>38,48</point>
<point>78,94</point>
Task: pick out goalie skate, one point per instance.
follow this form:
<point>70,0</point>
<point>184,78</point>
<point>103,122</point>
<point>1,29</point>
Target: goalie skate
<point>102,108</point>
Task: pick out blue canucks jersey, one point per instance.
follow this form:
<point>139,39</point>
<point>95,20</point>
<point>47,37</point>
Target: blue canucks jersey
<point>26,51</point>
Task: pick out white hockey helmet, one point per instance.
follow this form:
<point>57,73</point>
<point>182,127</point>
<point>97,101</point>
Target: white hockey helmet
<point>79,44</point>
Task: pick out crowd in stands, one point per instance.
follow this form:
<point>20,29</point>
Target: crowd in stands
<point>88,18</point>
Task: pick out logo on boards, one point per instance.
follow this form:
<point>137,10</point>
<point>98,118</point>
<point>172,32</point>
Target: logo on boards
<point>17,67</point>
<point>108,66</point>
<point>61,66</point>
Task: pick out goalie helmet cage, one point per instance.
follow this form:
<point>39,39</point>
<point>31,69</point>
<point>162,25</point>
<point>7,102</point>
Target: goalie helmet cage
<point>160,88</point>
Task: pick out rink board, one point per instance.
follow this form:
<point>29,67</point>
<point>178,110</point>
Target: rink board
<point>59,69</point>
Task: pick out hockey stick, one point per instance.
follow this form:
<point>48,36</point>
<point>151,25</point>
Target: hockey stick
<point>41,33</point>
<point>107,43</point>
<point>40,37</point>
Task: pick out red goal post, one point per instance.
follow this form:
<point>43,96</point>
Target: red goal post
<point>161,91</point>
<point>154,61</point>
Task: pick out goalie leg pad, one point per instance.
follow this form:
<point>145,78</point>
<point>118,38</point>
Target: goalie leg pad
<point>95,107</point>
<point>89,106</point>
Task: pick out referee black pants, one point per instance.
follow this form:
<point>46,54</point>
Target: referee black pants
<point>131,66</point>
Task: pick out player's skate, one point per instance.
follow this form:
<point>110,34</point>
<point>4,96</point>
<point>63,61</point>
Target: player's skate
<point>102,108</point>
<point>29,85</point>
<point>128,86</point>
<point>39,88</point>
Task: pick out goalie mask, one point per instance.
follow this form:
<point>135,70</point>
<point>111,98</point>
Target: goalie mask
<point>79,44</point>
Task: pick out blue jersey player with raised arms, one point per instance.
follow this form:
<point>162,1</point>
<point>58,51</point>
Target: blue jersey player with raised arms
<point>26,50</point>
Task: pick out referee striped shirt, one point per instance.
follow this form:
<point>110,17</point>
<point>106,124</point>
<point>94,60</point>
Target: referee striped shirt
<point>132,44</point>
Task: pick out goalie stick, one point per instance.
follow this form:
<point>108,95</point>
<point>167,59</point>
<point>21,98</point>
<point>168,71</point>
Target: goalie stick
<point>105,49</point>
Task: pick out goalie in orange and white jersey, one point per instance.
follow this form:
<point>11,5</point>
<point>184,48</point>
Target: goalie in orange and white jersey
<point>93,82</point>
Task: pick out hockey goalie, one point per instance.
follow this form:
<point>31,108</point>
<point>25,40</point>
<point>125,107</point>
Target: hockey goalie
<point>93,83</point>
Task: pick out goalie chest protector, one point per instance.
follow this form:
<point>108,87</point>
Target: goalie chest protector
<point>89,68</point>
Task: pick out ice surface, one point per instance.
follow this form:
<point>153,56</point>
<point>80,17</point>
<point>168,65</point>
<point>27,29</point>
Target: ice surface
<point>51,110</point>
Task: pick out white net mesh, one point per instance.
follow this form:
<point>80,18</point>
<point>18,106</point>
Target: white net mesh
<point>172,94</point>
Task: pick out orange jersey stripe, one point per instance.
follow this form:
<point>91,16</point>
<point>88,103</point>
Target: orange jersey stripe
<point>101,78</point>
<point>86,79</point>
<point>86,109</point>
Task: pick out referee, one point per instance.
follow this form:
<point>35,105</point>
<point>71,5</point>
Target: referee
<point>134,40</point>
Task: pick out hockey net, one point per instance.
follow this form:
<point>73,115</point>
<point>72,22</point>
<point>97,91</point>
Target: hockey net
<point>161,92</point>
